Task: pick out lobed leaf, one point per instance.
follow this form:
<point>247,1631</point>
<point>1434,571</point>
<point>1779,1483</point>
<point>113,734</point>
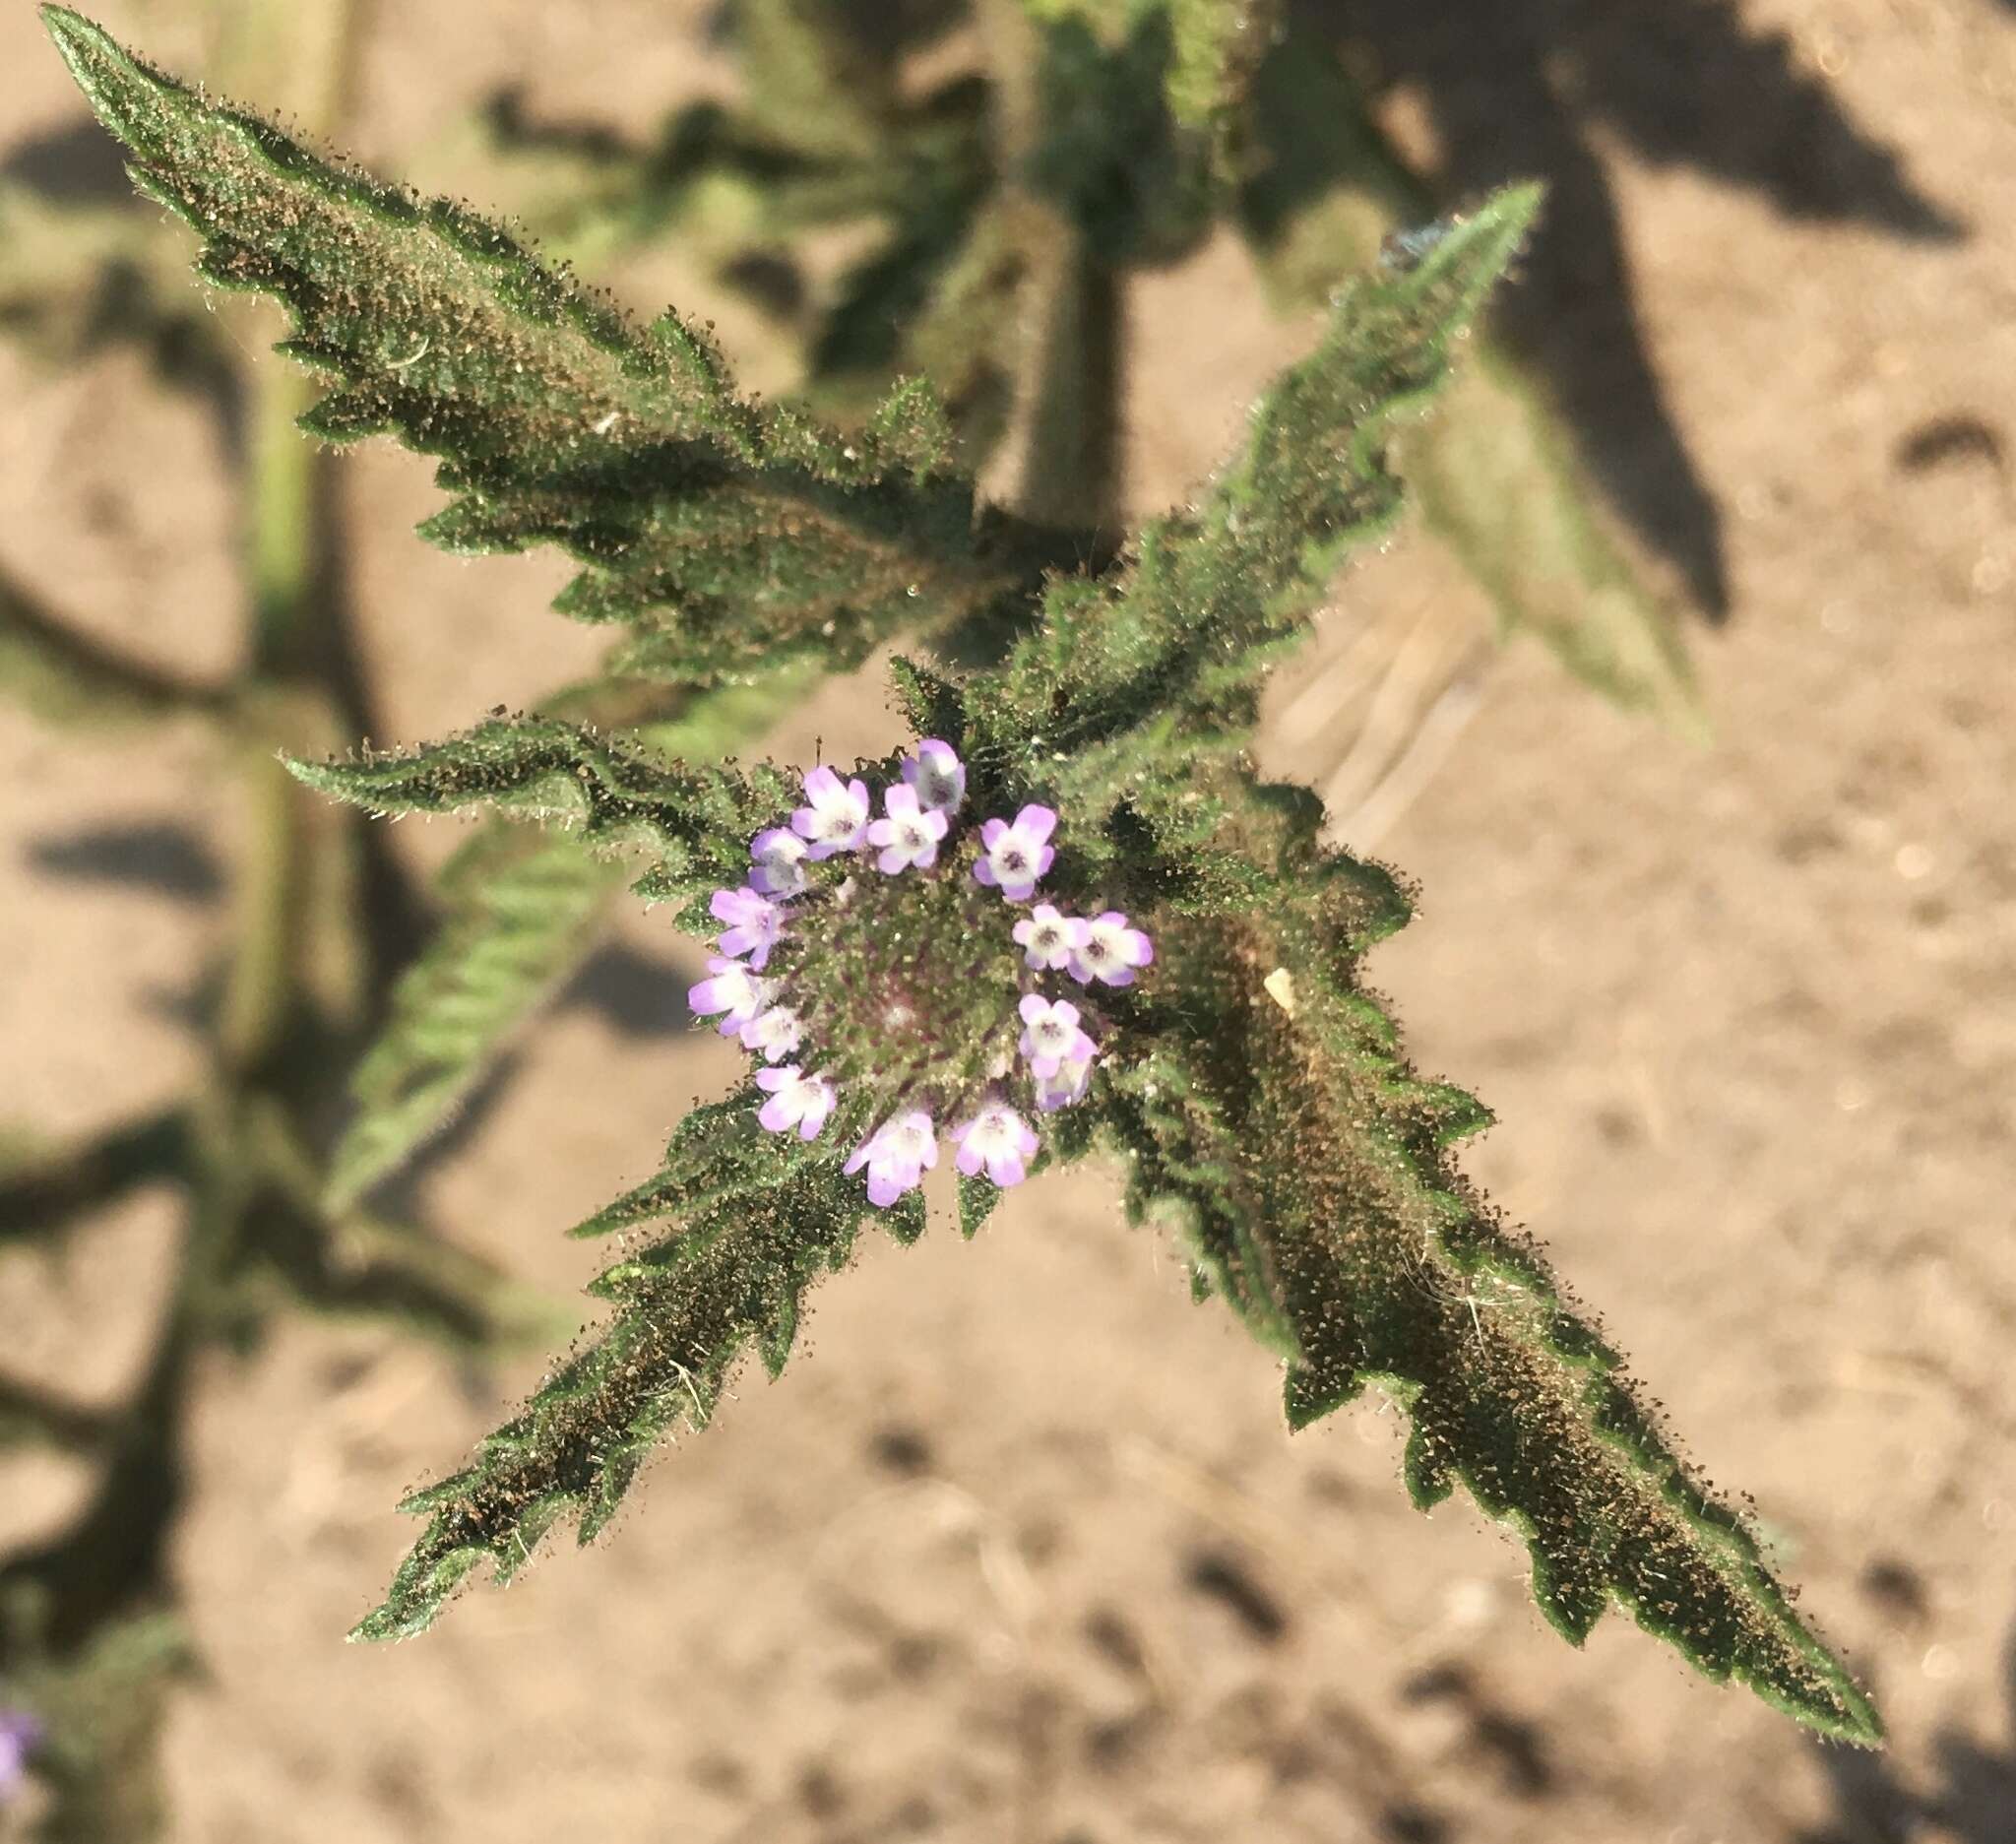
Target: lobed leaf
<point>694,822</point>
<point>1288,1109</point>
<point>523,913</point>
<point>755,1221</point>
<point>731,536</point>
<point>1171,651</point>
<point>1494,474</point>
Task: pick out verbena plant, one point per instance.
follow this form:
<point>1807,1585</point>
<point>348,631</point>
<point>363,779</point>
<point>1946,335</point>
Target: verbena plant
<point>1069,921</point>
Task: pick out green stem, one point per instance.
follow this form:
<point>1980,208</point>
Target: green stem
<point>1063,445</point>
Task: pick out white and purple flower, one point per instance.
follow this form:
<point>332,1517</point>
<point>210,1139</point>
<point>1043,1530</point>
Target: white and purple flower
<point>916,1009</point>
<point>772,1035</point>
<point>910,834</point>
<point>834,817</point>
<point>776,861</point>
<point>938,775</point>
<point>896,1154</point>
<point>998,1139</point>
<point>1014,857</point>
<point>796,1099</point>
<point>1110,951</point>
<point>1051,1035</point>
<point>1067,1086</point>
<point>731,988</point>
<point>1047,939</point>
<point>754,923</point>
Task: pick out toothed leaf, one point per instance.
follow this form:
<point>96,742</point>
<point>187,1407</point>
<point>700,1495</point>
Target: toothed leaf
<point>522,913</point>
<point>1385,1267</point>
<point>730,536</point>
<point>755,1220</point>
<point>694,822</point>
<point>1170,654</point>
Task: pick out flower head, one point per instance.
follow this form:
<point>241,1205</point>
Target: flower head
<point>1048,939</point>
<point>938,775</point>
<point>20,1736</point>
<point>904,991</point>
<point>796,1099</point>
<point>733,989</point>
<point>754,923</point>
<point>1012,857</point>
<point>1050,1035</point>
<point>772,1035</point>
<point>1110,951</point>
<point>834,817</point>
<point>896,1154</point>
<point>997,1138</point>
<point>910,835</point>
<point>777,862</point>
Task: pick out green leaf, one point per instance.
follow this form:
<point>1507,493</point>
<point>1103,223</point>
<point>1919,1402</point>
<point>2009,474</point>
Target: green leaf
<point>730,536</point>
<point>755,1221</point>
<point>522,913</point>
<point>1170,655</point>
<point>1494,471</point>
<point>1497,483</point>
<point>1217,46</point>
<point>1186,1167</point>
<point>1384,1266</point>
<point>694,822</point>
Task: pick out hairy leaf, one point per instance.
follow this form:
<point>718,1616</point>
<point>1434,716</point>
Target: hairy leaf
<point>731,537</point>
<point>755,1221</point>
<point>695,823</point>
<point>1495,473</point>
<point>1170,655</point>
<point>522,914</point>
<point>1288,1110</point>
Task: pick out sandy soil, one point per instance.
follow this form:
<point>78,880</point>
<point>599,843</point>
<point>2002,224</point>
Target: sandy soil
<point>1019,1549</point>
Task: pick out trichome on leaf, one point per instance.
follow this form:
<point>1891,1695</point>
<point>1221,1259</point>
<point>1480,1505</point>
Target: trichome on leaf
<point>1251,1090</point>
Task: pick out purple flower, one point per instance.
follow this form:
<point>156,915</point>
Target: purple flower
<point>775,1034</point>
<point>777,861</point>
<point>733,989</point>
<point>837,817</point>
<point>1015,857</point>
<point>796,1099</point>
<point>754,923</point>
<point>1050,938</point>
<point>998,1138</point>
<point>910,835</point>
<point>1068,1085</point>
<point>1110,951</point>
<point>938,775</point>
<point>896,1155</point>
<point>1051,1037</point>
<point>20,1736</point>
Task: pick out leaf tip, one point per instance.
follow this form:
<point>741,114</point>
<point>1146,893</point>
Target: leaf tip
<point>93,57</point>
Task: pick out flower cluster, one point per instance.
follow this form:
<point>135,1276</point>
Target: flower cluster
<point>868,961</point>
